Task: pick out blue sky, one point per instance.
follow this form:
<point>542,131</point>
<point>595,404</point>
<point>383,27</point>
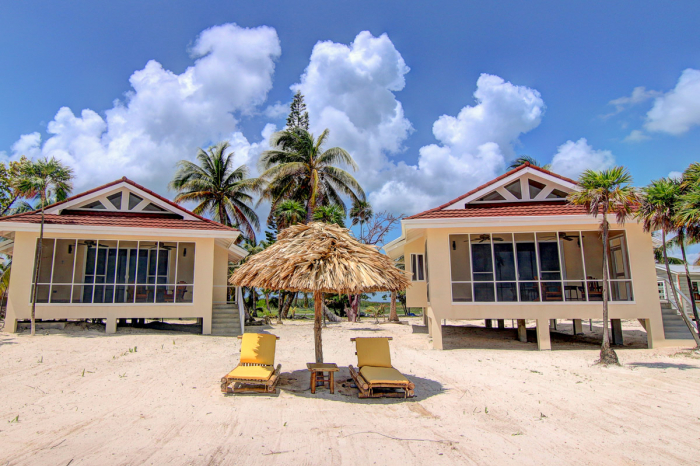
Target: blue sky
<point>544,73</point>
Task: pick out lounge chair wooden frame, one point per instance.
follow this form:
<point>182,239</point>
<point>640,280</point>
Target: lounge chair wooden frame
<point>236,385</point>
<point>367,389</point>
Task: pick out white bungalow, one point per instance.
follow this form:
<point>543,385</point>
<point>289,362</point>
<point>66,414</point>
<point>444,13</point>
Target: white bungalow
<point>121,251</point>
<point>513,248</point>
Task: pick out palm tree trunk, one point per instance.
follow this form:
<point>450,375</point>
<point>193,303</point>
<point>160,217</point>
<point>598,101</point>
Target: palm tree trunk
<point>37,264</point>
<point>675,293</point>
<point>393,316</point>
<point>690,283</point>
<point>267,301</point>
<point>607,354</point>
<point>318,316</point>
<point>222,214</point>
<point>287,304</point>
<point>280,305</point>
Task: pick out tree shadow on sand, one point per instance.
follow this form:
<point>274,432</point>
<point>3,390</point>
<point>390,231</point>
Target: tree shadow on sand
<point>297,383</point>
<point>663,365</point>
<point>5,340</point>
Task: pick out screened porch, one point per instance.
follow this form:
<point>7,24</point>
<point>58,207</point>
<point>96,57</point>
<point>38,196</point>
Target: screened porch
<point>90,271</point>
<point>546,267</point>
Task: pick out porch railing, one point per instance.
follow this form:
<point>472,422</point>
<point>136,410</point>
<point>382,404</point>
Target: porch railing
<point>684,308</point>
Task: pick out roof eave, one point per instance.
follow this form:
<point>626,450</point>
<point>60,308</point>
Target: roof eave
<point>8,226</point>
<point>511,220</point>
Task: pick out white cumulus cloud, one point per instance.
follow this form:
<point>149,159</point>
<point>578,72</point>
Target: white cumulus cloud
<point>572,158</point>
<point>678,110</point>
<point>474,147</point>
<point>166,116</point>
<point>636,135</point>
<point>349,89</point>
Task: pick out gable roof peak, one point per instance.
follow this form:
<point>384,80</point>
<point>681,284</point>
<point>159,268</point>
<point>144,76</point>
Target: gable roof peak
<point>523,166</point>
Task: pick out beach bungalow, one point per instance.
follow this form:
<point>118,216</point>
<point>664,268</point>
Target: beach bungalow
<point>514,248</point>
<point>121,251</point>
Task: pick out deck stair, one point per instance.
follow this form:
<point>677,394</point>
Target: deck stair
<point>225,320</point>
<point>674,326</point>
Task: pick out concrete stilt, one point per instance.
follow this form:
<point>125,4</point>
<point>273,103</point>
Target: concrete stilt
<point>543,341</point>
<point>489,323</point>
<point>553,324</point>
<point>501,324</point>
<point>522,331</point>
<point>111,325</point>
<point>436,333</point>
<point>578,327</point>
<point>206,325</point>
<point>616,327</point>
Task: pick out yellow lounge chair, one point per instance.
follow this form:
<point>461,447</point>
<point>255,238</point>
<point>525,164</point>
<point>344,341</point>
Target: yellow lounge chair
<point>256,371</point>
<point>376,372</point>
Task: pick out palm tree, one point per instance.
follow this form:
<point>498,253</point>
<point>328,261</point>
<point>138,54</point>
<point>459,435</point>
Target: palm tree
<point>299,168</point>
<point>42,179</point>
<point>289,213</point>
<point>222,191</point>
<point>330,214</point>
<point>606,192</point>
<point>658,211</point>
<point>361,212</point>
<point>523,159</point>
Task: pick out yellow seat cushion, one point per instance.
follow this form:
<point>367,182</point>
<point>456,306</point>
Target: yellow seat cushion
<point>373,352</point>
<point>382,375</point>
<point>258,348</point>
<point>261,373</point>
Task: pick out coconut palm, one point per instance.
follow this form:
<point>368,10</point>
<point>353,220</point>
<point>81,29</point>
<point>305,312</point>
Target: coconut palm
<point>221,191</point>
<point>288,213</point>
<point>602,193</point>
<point>42,179</point>
<point>361,212</point>
<point>658,211</point>
<point>299,168</point>
<point>523,159</point>
<point>330,214</point>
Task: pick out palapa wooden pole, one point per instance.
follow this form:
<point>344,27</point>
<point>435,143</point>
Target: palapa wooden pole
<point>318,315</point>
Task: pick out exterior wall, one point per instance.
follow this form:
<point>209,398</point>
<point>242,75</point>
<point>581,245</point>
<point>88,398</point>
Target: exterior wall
<point>416,294</point>
<point>220,274</point>
<point>19,305</point>
<point>641,261</point>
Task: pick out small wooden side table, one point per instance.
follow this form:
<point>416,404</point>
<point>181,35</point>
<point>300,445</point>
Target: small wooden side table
<point>317,375</point>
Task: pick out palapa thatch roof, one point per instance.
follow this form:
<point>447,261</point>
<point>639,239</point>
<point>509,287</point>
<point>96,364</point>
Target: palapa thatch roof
<point>320,257</point>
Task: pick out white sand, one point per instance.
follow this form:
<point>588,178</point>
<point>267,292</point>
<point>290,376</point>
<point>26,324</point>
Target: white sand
<point>81,396</point>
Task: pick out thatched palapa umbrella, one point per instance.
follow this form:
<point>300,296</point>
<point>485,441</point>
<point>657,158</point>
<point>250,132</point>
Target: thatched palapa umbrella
<point>320,258</point>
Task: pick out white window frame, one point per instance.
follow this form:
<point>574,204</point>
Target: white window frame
<point>417,274</point>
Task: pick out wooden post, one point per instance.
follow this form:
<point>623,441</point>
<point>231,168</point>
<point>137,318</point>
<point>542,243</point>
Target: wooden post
<point>489,324</point>
<point>616,327</point>
<point>553,324</point>
<point>501,324</point>
<point>318,316</point>
<point>522,331</point>
<point>578,327</point>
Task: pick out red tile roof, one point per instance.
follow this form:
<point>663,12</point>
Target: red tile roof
<point>508,209</point>
<point>486,185</point>
<point>124,221</point>
<point>127,219</point>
